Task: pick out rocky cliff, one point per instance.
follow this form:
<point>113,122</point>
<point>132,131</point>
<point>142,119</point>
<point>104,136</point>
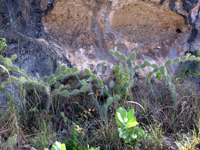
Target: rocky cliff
<point>81,32</point>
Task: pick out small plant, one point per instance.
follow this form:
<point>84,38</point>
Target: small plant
<point>128,130</point>
<point>58,146</point>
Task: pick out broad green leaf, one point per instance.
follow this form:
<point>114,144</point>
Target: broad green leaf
<point>129,63</point>
<point>155,66</point>
<point>74,92</point>
<point>83,89</point>
<point>123,133</point>
<point>13,79</point>
<point>109,101</point>
<point>132,124</point>
<point>105,109</point>
<point>168,80</point>
<point>3,85</point>
<point>41,83</point>
<point>56,146</point>
<point>24,92</point>
<point>90,79</point>
<point>147,63</point>
<point>30,87</point>
<point>116,97</point>
<point>100,83</point>
<point>64,93</point>
<point>63,68</point>
<point>2,58</point>
<point>147,80</point>
<point>45,79</point>
<point>133,55</point>
<point>136,67</point>
<point>83,82</point>
<point>176,60</point>
<point>22,80</point>
<point>150,74</point>
<point>155,70</point>
<point>115,48</point>
<point>12,140</point>
<point>121,113</point>
<point>130,116</point>
<point>112,84</point>
<point>60,77</point>
<point>13,57</point>
<point>197,58</point>
<point>74,69</point>
<point>23,73</point>
<point>123,57</point>
<point>51,80</point>
<point>142,66</point>
<point>20,86</point>
<point>57,73</point>
<point>94,76</point>
<point>171,86</point>
<point>174,96</point>
<point>117,53</point>
<point>67,71</point>
<point>15,69</point>
<point>111,52</point>
<point>158,75</point>
<point>191,58</point>
<point>87,71</point>
<point>184,59</point>
<point>59,64</point>
<point>55,92</point>
<point>9,62</point>
<point>168,63</point>
<point>102,64</point>
<point>163,70</point>
<point>63,147</point>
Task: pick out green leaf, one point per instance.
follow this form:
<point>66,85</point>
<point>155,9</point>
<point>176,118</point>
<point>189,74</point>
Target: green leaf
<point>155,70</point>
<point>102,64</point>
<point>123,133</point>
<point>90,79</point>
<point>74,92</point>
<point>83,89</point>
<point>67,71</point>
<point>100,83</point>
<point>64,93</point>
<point>123,57</point>
<point>13,79</point>
<point>74,69</point>
<point>9,62</point>
<point>163,70</point>
<point>45,79</point>
<point>109,101</point>
<point>132,73</point>
<point>3,85</point>
<point>63,147</point>
<point>87,71</point>
<point>132,124</point>
<point>171,86</point>
<point>191,58</point>
<point>22,80</point>
<point>55,92</point>
<point>136,67</point>
<point>168,80</point>
<point>129,63</point>
<point>121,113</point>
<point>117,97</point>
<point>57,73</point>
<point>115,48</point>
<point>24,92</point>
<point>51,80</point>
<point>111,52</point>
<point>83,82</point>
<point>15,69</point>
<point>105,109</point>
<point>197,58</point>
<point>168,63</point>
<point>11,141</point>
<point>56,146</point>
<point>147,80</point>
<point>130,116</point>
<point>133,55</point>
<point>94,76</point>
<point>112,84</point>
<point>150,74</point>
<point>158,75</point>
<point>155,66</point>
<point>20,86</point>
<point>147,63</point>
<point>2,58</point>
<point>142,66</point>
<point>13,57</point>
<point>176,60</point>
<point>23,73</point>
<point>174,96</point>
<point>117,53</point>
<point>131,83</point>
<point>60,77</point>
<point>41,83</point>
<point>59,64</point>
<point>30,87</point>
<point>63,68</point>
<point>184,59</point>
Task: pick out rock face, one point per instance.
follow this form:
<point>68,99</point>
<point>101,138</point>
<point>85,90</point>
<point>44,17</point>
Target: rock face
<point>81,32</point>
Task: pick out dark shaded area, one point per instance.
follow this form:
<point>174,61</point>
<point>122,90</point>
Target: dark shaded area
<point>189,4</point>
<point>178,31</point>
<point>193,35</point>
